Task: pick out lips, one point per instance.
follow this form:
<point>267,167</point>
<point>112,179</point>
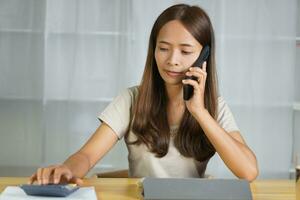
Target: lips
<point>174,74</point>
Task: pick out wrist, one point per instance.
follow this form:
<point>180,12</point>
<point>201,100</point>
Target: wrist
<point>201,115</point>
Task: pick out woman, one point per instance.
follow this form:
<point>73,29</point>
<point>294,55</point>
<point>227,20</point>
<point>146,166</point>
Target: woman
<point>167,136</point>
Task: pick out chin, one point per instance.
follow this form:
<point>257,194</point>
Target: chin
<point>173,82</point>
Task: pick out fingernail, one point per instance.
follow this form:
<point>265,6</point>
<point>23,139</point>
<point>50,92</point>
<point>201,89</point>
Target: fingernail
<point>55,181</point>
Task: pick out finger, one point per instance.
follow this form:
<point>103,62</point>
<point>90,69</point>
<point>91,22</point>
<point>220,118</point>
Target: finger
<point>204,66</point>
<point>32,178</point>
<point>77,181</point>
<point>62,175</point>
<point>203,73</point>
<point>199,77</point>
<point>46,175</point>
<point>39,175</point>
<point>197,74</point>
<point>191,82</point>
<point>57,175</point>
<point>202,81</point>
<point>67,175</point>
<point>198,69</point>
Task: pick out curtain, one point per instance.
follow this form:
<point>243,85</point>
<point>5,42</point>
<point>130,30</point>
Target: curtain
<point>62,62</point>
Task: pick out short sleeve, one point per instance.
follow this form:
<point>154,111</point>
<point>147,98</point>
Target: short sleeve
<point>117,114</point>
<point>225,117</point>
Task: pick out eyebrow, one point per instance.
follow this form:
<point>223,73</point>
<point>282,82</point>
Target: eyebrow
<point>181,44</point>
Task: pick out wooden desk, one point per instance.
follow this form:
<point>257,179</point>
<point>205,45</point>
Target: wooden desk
<point>128,189</point>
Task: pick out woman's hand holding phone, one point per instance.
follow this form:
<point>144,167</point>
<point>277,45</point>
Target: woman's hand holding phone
<point>195,104</point>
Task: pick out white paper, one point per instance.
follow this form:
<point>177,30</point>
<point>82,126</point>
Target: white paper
<point>16,193</point>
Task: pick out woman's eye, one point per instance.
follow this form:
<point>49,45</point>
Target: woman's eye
<point>186,52</point>
<point>163,49</point>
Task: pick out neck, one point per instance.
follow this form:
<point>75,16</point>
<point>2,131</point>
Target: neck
<point>175,94</point>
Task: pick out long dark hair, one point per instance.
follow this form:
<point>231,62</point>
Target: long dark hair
<point>150,124</point>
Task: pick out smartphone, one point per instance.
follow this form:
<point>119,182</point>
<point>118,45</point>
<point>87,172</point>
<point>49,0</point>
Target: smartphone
<point>188,90</point>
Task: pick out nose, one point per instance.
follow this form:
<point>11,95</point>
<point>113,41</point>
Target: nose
<point>173,58</point>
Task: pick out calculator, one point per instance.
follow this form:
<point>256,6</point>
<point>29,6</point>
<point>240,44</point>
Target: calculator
<point>53,190</point>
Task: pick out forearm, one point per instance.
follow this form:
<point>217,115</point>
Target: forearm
<point>79,164</point>
<point>236,155</point>
<point>95,148</point>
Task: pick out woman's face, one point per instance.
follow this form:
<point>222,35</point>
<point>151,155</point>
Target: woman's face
<point>176,50</point>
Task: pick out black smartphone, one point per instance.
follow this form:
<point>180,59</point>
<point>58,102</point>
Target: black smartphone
<point>188,90</point>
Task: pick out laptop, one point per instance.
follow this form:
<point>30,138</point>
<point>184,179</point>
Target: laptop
<point>195,189</point>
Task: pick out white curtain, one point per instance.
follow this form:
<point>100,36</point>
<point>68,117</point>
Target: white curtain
<point>62,61</point>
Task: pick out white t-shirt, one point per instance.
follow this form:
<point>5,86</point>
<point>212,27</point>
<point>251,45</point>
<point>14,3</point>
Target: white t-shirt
<point>143,163</point>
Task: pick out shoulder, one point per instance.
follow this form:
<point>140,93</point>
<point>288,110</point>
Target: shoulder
<point>133,91</point>
<point>222,105</point>
<point>221,100</point>
<point>223,109</point>
<point>225,117</point>
<point>130,93</point>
